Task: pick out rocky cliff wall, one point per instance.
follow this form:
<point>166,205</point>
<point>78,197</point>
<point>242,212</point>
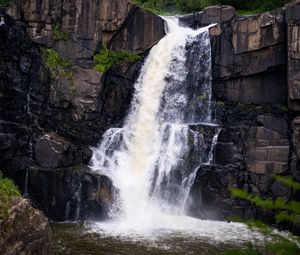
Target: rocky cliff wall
<point>49,120</point>
<point>50,116</point>
<point>255,87</point>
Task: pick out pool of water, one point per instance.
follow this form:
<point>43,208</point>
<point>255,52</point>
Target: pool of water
<point>186,236</point>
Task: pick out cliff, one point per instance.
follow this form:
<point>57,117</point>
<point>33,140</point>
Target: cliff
<point>50,117</point>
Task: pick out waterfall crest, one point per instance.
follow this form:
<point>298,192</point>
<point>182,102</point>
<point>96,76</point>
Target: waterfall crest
<point>153,158</point>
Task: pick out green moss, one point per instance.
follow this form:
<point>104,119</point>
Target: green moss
<point>202,97</point>
<point>8,190</point>
<point>220,104</point>
<point>59,35</point>
<point>6,2</point>
<point>106,59</point>
<point>58,64</point>
<point>284,108</point>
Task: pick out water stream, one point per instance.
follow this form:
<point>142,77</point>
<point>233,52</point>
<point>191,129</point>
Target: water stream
<point>153,159</point>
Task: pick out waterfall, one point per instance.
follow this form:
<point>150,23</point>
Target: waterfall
<point>153,158</point>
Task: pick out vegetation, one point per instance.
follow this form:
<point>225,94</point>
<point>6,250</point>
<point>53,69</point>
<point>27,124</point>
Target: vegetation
<point>8,190</point>
<point>58,64</point>
<point>285,211</point>
<point>220,104</point>
<point>6,2</point>
<point>106,59</point>
<point>185,6</point>
<point>59,35</point>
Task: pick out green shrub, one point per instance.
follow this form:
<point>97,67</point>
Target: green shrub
<point>59,35</point>
<point>185,6</point>
<point>58,64</point>
<point>285,211</point>
<point>8,190</point>
<point>106,59</point>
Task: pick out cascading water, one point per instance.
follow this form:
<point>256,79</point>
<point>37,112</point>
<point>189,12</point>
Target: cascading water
<point>149,155</point>
<point>154,157</point>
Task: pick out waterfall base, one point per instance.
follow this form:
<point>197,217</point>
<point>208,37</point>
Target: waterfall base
<point>175,235</point>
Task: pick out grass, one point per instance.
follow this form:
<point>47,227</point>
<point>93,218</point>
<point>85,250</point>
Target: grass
<point>106,59</point>
<point>8,190</point>
<point>55,62</point>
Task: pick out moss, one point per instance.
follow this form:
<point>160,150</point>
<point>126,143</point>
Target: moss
<point>106,59</point>
<point>6,2</point>
<point>202,97</point>
<point>59,35</point>
<point>60,65</point>
<point>220,104</point>
<point>284,108</point>
<point>8,190</point>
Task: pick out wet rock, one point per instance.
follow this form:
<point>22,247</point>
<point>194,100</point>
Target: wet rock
<point>26,231</point>
<point>210,196</point>
<point>141,31</point>
<point>72,193</point>
<point>54,151</point>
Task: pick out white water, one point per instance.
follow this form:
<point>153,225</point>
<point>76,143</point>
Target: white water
<point>149,159</point>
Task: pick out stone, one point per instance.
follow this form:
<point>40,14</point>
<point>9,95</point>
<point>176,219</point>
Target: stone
<point>274,123</point>
<point>296,135</point>
<point>72,193</point>
<point>266,88</point>
<point>293,38</point>
<point>141,32</point>
<point>217,14</point>
<point>270,153</point>
<point>258,31</point>
<point>227,153</point>
<point>266,167</point>
<point>53,151</point>
<point>26,231</point>
<point>262,133</point>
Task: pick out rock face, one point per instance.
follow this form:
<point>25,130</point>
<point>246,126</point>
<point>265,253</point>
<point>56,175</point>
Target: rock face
<point>255,85</point>
<point>48,121</point>
<point>26,231</point>
<point>293,44</point>
<point>48,118</point>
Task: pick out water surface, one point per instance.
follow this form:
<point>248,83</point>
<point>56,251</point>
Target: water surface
<point>101,238</point>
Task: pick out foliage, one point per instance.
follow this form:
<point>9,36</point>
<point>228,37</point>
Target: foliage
<point>6,2</point>
<point>286,211</point>
<point>54,61</point>
<point>185,6</point>
<point>106,59</point>
<point>8,190</point>
<point>59,35</point>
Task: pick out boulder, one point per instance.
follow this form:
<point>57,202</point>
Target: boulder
<point>25,231</point>
<point>53,151</point>
<point>72,193</point>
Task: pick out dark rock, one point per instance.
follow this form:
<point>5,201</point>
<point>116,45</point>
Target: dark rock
<point>141,31</point>
<point>72,193</point>
<point>293,38</point>
<point>53,151</point>
<point>210,194</point>
<point>217,14</point>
